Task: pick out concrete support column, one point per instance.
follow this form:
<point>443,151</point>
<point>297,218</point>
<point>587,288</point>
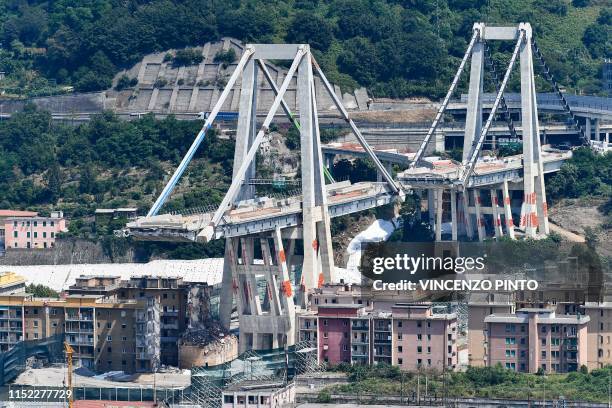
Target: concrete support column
<point>587,127</point>
<point>469,230</point>
<point>508,211</point>
<point>607,137</point>
<point>329,161</point>
<point>479,220</point>
<point>453,198</point>
<point>496,214</point>
<point>597,136</point>
<point>431,200</point>
<point>438,228</point>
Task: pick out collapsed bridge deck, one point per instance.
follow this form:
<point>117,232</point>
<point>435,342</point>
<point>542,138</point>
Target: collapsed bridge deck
<point>258,215</point>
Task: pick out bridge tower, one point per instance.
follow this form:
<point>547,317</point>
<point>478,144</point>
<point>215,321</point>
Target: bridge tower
<point>466,197</point>
<point>257,267</point>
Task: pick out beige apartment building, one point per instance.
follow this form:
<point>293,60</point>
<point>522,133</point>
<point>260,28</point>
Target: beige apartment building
<point>106,334</point>
<point>599,328</point>
<point>169,293</point>
<point>534,339</point>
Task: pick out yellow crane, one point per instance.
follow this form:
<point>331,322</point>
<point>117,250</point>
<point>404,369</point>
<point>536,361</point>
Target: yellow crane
<point>69,351</point>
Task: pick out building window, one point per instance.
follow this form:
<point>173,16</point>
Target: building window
<point>44,234</point>
<point>109,338</point>
<point>35,234</point>
<point>419,337</point>
<point>419,323</point>
<point>428,349</point>
<point>28,234</point>
<point>324,335</point>
<point>419,349</point>
<point>52,223</point>
<point>36,223</point>
<point>510,340</point>
<point>400,361</point>
<point>399,336</point>
<point>400,349</point>
<point>543,354</point>
<point>52,234</point>
<point>543,342</point>
<point>399,323</point>
<point>344,348</point>
<point>324,322</point>
<point>510,353</point>
<point>15,234</point>
<point>35,335</point>
<point>14,223</point>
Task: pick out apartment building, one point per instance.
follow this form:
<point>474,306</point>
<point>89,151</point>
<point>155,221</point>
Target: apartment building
<point>410,335</point>
<point>106,334</point>
<point>422,339</point>
<point>480,306</point>
<point>534,339</point>
<point>169,293</point>
<point>33,231</point>
<point>599,337</point>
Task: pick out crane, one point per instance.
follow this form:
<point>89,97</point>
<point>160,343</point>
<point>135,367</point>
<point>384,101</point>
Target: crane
<point>69,352</point>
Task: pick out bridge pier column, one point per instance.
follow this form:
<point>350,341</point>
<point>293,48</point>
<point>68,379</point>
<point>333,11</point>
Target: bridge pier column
<point>431,200</point>
<point>453,198</point>
<point>597,136</point>
<point>479,220</point>
<point>587,127</point>
<point>467,217</point>
<point>496,214</point>
<point>508,211</point>
<point>439,204</point>
<point>329,161</point>
<point>607,140</point>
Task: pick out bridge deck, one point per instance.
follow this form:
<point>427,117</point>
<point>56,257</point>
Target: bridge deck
<point>260,215</point>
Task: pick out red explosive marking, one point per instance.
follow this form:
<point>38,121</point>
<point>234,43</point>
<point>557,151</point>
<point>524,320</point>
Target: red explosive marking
<point>315,244</point>
<point>281,255</point>
<point>286,286</point>
<point>507,200</point>
<point>321,280</point>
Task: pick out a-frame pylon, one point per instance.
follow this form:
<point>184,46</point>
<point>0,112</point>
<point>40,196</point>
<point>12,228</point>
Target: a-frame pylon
<point>262,288</point>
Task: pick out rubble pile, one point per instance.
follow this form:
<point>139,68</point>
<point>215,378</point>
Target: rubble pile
<point>211,333</point>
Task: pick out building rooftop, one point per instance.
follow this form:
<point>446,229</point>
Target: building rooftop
<point>17,213</point>
<point>10,278</point>
<point>524,318</point>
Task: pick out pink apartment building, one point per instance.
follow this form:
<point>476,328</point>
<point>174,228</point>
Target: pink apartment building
<point>33,231</point>
<point>532,339</point>
<point>410,335</point>
<point>423,339</point>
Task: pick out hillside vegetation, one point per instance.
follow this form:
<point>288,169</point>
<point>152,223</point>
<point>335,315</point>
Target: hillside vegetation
<point>395,48</point>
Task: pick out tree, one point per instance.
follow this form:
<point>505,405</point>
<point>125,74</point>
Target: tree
<point>54,182</point>
<point>42,291</point>
<point>597,40</point>
<point>308,27</point>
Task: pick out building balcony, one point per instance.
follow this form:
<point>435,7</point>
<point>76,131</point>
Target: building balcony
<point>79,318</point>
<point>174,325</point>
<point>170,313</point>
<point>360,327</point>
<point>382,341</point>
